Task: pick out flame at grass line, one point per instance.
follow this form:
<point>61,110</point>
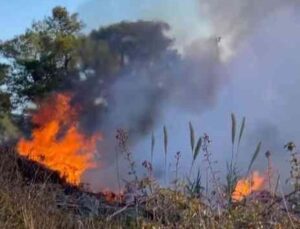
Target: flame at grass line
<point>246,186</point>
<point>56,141</point>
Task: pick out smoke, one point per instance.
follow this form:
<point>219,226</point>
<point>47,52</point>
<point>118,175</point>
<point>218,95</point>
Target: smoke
<point>230,61</point>
<point>137,101</point>
<point>138,98</point>
<point>264,83</point>
<point>236,20</point>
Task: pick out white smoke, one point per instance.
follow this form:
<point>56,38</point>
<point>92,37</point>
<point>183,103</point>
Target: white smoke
<point>235,20</point>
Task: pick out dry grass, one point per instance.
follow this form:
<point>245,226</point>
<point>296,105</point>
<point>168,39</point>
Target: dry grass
<point>24,204</point>
<point>33,205</point>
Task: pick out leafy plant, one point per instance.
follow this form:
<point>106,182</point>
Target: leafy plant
<point>194,187</point>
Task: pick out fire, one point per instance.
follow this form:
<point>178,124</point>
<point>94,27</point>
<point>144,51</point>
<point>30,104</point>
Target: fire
<point>56,141</point>
<point>246,186</point>
<point>112,197</point>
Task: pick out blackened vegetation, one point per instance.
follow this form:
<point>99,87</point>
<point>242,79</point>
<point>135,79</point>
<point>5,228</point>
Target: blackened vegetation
<point>37,173</point>
<point>78,199</point>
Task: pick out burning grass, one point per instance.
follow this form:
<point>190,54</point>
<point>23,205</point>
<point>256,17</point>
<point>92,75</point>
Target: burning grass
<point>57,131</point>
<point>38,188</point>
<point>33,196</point>
<point>244,187</point>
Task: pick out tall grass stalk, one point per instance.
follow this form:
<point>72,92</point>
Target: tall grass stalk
<point>268,156</point>
<point>177,158</point>
<point>233,131</point>
<point>256,152</point>
<point>215,180</point>
<point>118,171</point>
<point>192,136</point>
<point>165,132</point>
<point>231,168</point>
<point>232,172</point>
<point>195,154</point>
<point>152,146</point>
<point>241,134</point>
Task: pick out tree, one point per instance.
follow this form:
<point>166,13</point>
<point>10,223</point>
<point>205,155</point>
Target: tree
<point>108,52</point>
<point>8,130</point>
<point>5,104</point>
<point>44,56</point>
<point>139,41</point>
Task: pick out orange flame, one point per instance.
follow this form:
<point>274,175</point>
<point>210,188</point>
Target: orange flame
<point>57,143</point>
<point>112,197</point>
<point>246,186</point>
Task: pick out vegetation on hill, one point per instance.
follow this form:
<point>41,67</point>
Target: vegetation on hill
<point>32,196</point>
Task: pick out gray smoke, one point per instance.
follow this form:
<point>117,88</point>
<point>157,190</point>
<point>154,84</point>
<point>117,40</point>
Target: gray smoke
<point>263,37</point>
<point>235,20</point>
<point>218,74</point>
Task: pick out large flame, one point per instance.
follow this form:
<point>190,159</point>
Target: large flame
<point>56,141</point>
<point>246,186</point>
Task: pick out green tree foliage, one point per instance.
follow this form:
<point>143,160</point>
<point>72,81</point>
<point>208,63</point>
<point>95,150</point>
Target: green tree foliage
<point>140,41</point>
<point>7,128</point>
<point>43,57</point>
<point>109,50</point>
<point>5,105</point>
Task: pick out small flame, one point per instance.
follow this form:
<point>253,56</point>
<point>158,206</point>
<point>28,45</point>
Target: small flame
<point>57,143</point>
<point>112,197</point>
<point>246,186</point>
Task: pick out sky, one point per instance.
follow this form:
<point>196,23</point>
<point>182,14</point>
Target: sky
<point>185,16</point>
<point>17,15</point>
<point>264,73</point>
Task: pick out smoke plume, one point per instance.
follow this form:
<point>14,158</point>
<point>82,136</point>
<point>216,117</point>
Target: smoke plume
<point>220,70</point>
